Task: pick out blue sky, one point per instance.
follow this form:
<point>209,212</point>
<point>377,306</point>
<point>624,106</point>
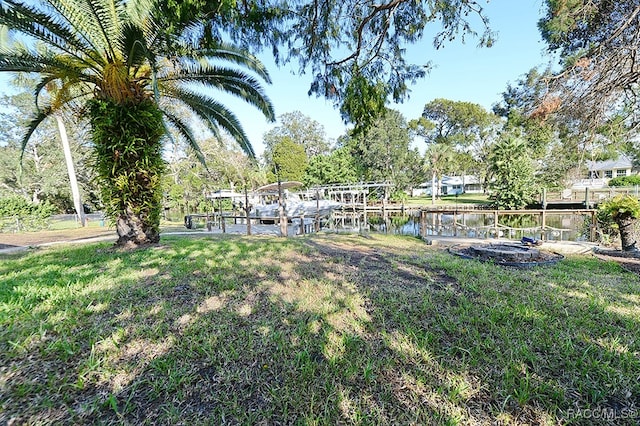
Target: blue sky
<point>462,72</point>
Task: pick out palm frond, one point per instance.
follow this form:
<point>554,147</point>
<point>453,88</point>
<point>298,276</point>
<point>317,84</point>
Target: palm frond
<point>32,125</point>
<point>50,65</point>
<point>44,28</point>
<point>233,54</point>
<point>227,80</point>
<point>214,115</point>
<point>75,15</point>
<point>132,45</point>
<point>187,134</point>
<point>105,15</point>
<point>140,12</point>
<point>42,84</point>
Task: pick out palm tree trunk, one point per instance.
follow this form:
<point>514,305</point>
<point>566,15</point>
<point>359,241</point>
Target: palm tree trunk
<point>433,187</point>
<point>628,234</point>
<point>130,167</point>
<point>73,180</point>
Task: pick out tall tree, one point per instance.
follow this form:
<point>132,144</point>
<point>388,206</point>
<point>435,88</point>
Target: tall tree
<point>438,159</point>
<point>338,167</point>
<point>114,58</point>
<point>598,42</point>
<point>514,184</point>
<point>289,161</point>
<point>384,154</point>
<point>463,133</point>
<point>41,174</point>
<point>302,130</point>
<point>457,124</point>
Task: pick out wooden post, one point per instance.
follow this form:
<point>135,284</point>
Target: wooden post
<point>544,198</point>
<point>586,197</point>
<point>495,223</point>
<point>544,225</point>
<point>594,225</point>
<point>317,224</point>
<point>364,220</point>
<point>455,223</point>
<point>247,208</point>
<point>423,223</point>
<point>281,210</point>
<point>302,224</point>
<point>384,215</point>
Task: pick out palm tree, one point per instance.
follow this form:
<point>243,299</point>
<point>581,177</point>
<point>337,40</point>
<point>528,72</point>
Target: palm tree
<point>438,157</point>
<point>114,64</point>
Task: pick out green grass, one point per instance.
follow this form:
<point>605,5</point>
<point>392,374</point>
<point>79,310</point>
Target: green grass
<point>320,330</point>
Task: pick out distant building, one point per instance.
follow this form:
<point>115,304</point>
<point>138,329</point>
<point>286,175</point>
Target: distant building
<point>450,185</point>
<point>608,169</point>
<point>600,172</point>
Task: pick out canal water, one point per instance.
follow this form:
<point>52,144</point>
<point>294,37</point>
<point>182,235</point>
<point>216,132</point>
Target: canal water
<point>558,227</point>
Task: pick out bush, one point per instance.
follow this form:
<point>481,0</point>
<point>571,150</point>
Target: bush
<point>633,180</point>
<point>619,215</point>
<point>620,206</point>
<point>27,215</point>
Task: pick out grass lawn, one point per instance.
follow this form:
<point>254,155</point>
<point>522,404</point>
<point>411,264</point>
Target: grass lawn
<point>320,330</point>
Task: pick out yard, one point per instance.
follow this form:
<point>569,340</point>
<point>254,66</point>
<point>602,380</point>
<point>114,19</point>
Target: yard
<point>325,329</point>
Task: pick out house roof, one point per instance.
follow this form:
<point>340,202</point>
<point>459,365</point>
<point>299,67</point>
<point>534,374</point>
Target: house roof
<point>622,162</point>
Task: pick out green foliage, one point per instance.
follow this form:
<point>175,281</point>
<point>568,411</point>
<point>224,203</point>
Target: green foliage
<point>129,160</point>
<point>633,180</point>
<point>573,24</point>
<point>289,161</point>
<point>556,143</point>
<point>514,185</point>
<point>302,130</point>
<point>18,206</point>
<point>620,206</point>
<point>364,102</point>
<point>41,175</point>
<point>456,123</point>
<point>606,228</point>
<point>31,216</point>
<point>383,152</point>
<point>354,51</point>
<point>338,167</point>
<point>624,211</point>
<point>594,38</point>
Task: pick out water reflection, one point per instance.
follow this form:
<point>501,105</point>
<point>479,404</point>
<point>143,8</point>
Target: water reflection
<point>557,227</point>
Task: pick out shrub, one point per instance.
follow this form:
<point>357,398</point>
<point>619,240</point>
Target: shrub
<point>30,216</point>
<point>623,211</point>
<point>633,180</point>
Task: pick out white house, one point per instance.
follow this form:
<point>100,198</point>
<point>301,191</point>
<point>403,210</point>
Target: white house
<point>450,185</point>
<point>600,172</point>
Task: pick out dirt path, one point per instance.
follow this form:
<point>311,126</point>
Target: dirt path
<point>25,239</point>
<point>629,263</point>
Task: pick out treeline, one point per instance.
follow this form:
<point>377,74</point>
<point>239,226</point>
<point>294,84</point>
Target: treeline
<point>509,149</point>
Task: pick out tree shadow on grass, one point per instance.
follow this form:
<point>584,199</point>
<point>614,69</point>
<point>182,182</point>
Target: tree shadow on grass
<point>315,330</point>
